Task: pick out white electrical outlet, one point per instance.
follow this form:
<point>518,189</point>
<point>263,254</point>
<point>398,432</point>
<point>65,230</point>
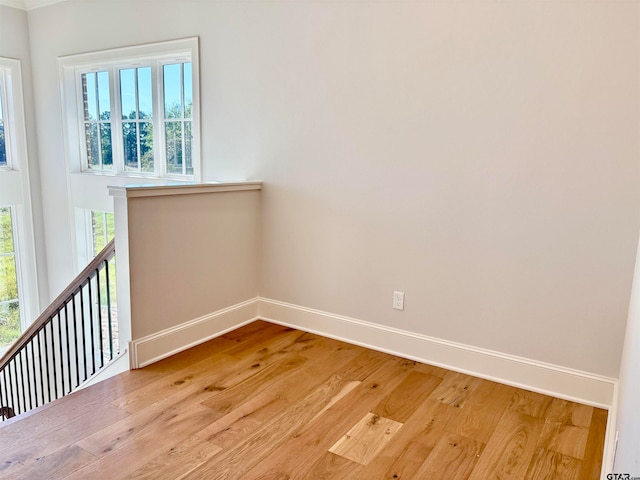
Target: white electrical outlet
<point>398,300</point>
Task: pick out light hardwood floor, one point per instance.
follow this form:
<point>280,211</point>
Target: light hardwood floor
<point>268,402</point>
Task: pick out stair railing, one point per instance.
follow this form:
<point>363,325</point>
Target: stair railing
<point>71,341</point>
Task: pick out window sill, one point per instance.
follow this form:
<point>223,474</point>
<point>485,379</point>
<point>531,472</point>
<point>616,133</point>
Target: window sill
<point>133,191</point>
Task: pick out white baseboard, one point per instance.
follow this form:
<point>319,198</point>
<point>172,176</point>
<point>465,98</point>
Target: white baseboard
<point>561,382</point>
<point>155,347</point>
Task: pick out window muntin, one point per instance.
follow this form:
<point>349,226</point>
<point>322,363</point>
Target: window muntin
<point>10,324</point>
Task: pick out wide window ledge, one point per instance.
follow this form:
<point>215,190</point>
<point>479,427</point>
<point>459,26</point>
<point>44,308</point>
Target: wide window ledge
<point>155,190</point>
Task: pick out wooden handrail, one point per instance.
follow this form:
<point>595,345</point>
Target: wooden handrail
<point>83,277</point>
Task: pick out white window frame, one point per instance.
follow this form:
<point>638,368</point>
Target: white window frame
<point>15,189</point>
<point>153,55</point>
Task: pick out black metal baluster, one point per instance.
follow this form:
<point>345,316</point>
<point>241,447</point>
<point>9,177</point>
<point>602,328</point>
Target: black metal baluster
<point>34,371</point>
<point>100,317</point>
<point>41,371</point>
<point>16,393</point>
<point>83,329</point>
<point>25,366</point>
<point>7,388</point>
<point>53,360</point>
<point>75,341</point>
<point>66,323</point>
<point>61,357</point>
<point>93,338</point>
<point>3,396</point>
<point>46,360</point>
<point>61,354</point>
<point>106,267</point>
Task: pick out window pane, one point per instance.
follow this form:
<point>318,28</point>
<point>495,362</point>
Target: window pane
<point>3,146</point>
<point>9,323</point>
<point>188,137</point>
<point>8,278</point>
<point>104,99</point>
<point>130,141</point>
<point>93,157</point>
<point>128,93</point>
<point>173,132</point>
<point>6,231</point>
<point>102,230</point>
<point>145,100</point>
<point>188,90</point>
<point>105,144</point>
<point>89,96</point>
<point>146,146</point>
<point>172,106</point>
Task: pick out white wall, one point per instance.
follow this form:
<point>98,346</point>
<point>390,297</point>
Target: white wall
<point>14,43</point>
<point>480,156</point>
<point>628,415</point>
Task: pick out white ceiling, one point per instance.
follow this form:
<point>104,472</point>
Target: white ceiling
<point>28,4</point>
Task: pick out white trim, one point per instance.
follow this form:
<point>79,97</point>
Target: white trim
<point>155,347</point>
<point>611,437</point>
<point>150,190</point>
<point>554,380</point>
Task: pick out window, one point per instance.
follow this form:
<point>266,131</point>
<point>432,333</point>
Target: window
<point>133,111</point>
<point>10,325</point>
<point>18,287</point>
<point>102,230</point>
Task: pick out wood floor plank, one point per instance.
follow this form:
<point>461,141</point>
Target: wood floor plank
<point>455,389</point>
<point>245,420</point>
<point>569,413</point>
<point>547,465</point>
<point>565,439</point>
<point>413,443</point>
<point>31,447</point>
<point>171,427</point>
<point>531,403</point>
<point>177,461</point>
<point>407,396</point>
<point>510,449</point>
<point>453,458</point>
<point>483,410</point>
<point>366,438</point>
<point>53,465</point>
<point>330,467</point>
<point>592,463</point>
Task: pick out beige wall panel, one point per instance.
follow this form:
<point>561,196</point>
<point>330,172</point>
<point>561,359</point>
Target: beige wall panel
<point>190,255</point>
